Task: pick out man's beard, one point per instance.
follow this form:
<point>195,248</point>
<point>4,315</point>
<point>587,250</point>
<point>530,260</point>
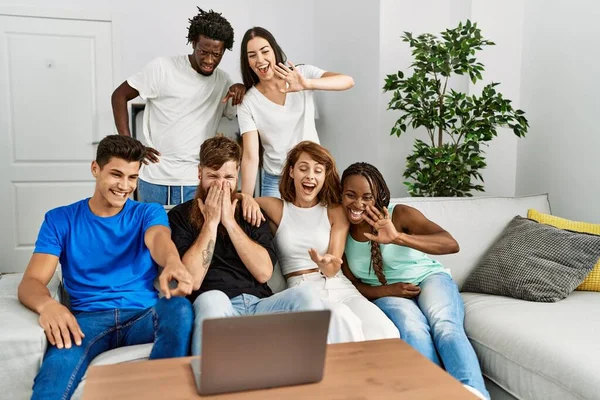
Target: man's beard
<point>205,73</point>
<point>196,217</point>
<point>201,193</point>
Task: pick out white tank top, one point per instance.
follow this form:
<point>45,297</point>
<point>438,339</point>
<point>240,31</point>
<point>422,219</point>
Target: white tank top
<point>300,230</point>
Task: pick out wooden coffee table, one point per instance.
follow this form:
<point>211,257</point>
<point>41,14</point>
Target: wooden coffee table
<point>381,369</point>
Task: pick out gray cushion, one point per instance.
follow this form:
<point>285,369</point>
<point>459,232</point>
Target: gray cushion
<point>535,262</point>
<point>277,282</point>
<point>537,351</point>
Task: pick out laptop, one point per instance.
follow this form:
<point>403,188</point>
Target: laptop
<point>261,351</point>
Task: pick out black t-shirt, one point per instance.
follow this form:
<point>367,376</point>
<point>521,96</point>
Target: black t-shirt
<point>227,272</point>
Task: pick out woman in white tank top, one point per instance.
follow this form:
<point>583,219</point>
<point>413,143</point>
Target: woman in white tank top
<point>310,231</point>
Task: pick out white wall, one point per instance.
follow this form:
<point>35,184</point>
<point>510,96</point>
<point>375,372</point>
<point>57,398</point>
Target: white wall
<point>142,31</point>
<point>501,21</point>
<point>560,94</point>
<point>545,55</point>
<point>416,16</point>
<point>346,41</point>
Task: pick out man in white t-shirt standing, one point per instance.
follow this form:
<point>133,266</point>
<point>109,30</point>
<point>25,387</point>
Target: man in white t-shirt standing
<point>186,96</point>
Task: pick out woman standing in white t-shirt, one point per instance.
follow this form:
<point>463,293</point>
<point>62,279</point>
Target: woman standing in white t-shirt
<point>278,107</point>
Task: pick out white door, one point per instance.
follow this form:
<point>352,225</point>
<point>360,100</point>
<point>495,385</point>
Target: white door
<point>55,87</point>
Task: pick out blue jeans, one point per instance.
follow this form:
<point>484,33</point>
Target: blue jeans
<point>165,195</point>
<point>434,321</point>
<point>168,324</point>
<point>216,304</point>
<point>269,185</point>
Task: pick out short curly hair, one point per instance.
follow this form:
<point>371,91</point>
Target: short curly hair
<point>212,25</point>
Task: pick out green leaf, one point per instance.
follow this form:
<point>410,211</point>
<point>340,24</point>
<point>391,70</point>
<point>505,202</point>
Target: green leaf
<point>469,121</point>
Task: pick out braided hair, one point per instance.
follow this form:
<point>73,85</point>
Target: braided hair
<point>211,25</point>
<point>381,193</point>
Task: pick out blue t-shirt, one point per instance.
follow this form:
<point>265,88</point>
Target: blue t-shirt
<point>105,262</point>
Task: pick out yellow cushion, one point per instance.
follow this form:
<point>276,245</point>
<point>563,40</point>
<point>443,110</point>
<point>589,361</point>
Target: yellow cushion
<point>592,281</point>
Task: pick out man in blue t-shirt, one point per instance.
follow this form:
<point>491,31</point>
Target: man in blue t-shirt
<point>109,249</point>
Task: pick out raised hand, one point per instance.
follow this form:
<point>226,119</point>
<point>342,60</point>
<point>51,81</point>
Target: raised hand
<point>59,325</point>
<point>227,206</point>
<point>151,155</point>
<point>383,225</point>
<point>211,207</point>
<point>327,263</point>
<point>294,80</point>
<point>175,270</point>
<point>236,92</point>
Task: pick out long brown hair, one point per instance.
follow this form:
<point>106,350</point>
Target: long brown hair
<point>248,76</point>
<point>381,194</point>
<point>214,152</point>
<point>331,192</point>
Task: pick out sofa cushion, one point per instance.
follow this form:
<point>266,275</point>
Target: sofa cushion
<point>534,350</point>
<point>138,352</point>
<point>476,223</point>
<point>536,262</point>
<point>22,339</point>
<point>277,282</point>
<point>592,281</point>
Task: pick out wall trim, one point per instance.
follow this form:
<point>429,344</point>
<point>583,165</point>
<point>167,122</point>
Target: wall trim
<point>56,13</point>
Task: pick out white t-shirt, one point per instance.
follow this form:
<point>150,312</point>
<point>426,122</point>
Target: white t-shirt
<point>183,109</point>
<point>280,127</point>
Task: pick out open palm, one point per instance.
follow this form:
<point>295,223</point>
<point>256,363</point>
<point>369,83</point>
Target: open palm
<point>383,225</point>
<point>295,81</point>
<point>326,262</point>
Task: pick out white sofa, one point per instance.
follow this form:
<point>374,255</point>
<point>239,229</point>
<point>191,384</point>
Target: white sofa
<point>538,351</point>
<point>527,350</point>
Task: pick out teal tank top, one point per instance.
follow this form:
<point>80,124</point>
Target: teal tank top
<point>400,263</point>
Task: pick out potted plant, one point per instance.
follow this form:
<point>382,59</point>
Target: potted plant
<point>458,124</point>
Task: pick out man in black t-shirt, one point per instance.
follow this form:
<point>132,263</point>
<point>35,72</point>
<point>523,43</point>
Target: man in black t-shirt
<point>230,259</point>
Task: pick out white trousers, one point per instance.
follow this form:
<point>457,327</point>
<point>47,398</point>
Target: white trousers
<point>354,317</point>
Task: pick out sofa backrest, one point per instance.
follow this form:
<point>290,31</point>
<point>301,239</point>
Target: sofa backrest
<point>475,222</point>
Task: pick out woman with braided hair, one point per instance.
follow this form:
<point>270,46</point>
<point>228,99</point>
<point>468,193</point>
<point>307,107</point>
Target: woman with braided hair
<point>386,259</point>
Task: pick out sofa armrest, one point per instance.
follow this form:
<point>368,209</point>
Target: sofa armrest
<point>22,339</point>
